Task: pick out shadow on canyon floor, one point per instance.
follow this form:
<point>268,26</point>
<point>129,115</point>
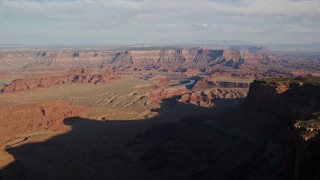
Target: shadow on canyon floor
<point>158,148</point>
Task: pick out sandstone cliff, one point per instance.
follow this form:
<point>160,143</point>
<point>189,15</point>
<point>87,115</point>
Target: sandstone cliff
<point>296,101</point>
<point>52,59</point>
<point>296,98</point>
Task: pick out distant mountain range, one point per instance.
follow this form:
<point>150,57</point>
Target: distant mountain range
<point>295,47</point>
<point>220,44</point>
<point>281,47</point>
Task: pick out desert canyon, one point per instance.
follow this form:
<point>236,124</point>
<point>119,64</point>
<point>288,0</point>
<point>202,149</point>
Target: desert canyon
<point>238,112</point>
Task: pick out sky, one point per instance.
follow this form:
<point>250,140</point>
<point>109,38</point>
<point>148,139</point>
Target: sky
<point>158,21</point>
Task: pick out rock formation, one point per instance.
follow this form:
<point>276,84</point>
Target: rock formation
<point>264,139</point>
<point>73,76</point>
<point>38,116</point>
<point>50,59</point>
<point>297,102</point>
<point>205,83</point>
<point>280,121</point>
<point>204,98</point>
<point>295,97</point>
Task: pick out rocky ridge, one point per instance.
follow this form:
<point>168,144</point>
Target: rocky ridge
<point>208,97</point>
<point>50,59</point>
<point>74,76</point>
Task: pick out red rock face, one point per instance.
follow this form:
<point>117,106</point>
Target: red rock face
<point>208,97</point>
<point>203,98</point>
<point>162,82</point>
<point>75,76</point>
<point>158,95</point>
<point>202,84</point>
<point>38,116</point>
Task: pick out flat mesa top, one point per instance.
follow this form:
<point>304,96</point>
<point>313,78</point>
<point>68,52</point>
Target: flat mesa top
<point>312,80</point>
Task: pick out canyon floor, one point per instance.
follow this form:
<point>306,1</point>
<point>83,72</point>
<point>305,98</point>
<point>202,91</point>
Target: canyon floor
<point>152,114</point>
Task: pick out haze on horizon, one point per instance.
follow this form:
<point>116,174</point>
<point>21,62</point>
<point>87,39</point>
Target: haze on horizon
<point>153,21</point>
